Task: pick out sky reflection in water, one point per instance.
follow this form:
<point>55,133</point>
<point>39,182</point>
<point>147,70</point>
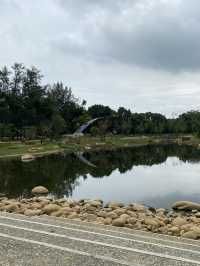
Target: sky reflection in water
<point>156,185</point>
<point>154,175</point>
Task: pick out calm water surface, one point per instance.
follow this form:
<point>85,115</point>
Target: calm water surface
<point>154,175</point>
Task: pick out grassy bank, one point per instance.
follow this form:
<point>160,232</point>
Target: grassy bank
<point>85,143</point>
<point>15,149</point>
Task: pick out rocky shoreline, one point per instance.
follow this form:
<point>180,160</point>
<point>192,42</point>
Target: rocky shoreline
<point>182,220</point>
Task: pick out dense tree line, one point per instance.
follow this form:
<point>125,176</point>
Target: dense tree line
<point>28,108</point>
<point>31,109</point>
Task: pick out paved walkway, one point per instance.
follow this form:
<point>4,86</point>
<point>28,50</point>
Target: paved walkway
<point>51,241</point>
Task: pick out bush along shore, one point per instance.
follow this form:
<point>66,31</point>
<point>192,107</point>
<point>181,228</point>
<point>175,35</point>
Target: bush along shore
<point>182,220</point>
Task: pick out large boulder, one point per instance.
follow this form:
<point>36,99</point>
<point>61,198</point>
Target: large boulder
<point>39,190</point>
<point>27,157</point>
<point>103,214</point>
<point>186,206</point>
<point>29,212</point>
<point>35,206</point>
<point>114,205</point>
<point>100,220</point>
<point>120,211</point>
<point>175,230</point>
<point>90,217</point>
<point>179,221</point>
<point>186,227</point>
<point>108,221</point>
<point>152,221</point>
<point>120,222</point>
<point>112,215</point>
<point>193,234</point>
<point>66,210</point>
<point>132,220</point>
<point>12,207</point>
<point>95,203</point>
<point>132,214</point>
<point>57,213</point>
<point>49,208</point>
<point>125,217</point>
<point>137,207</point>
<point>89,208</point>
<point>73,215</point>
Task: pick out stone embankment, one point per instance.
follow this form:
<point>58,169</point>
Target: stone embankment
<point>183,220</point>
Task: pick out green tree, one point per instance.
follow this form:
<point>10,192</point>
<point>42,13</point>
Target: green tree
<point>99,110</point>
<point>58,126</point>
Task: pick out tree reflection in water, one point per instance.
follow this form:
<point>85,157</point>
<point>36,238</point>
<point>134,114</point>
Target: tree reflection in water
<point>60,173</point>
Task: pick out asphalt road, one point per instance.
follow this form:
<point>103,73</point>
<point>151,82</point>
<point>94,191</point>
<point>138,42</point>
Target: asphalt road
<point>42,241</point>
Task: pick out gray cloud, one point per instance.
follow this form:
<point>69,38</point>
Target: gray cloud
<point>151,34</point>
<point>143,54</point>
<point>156,34</point>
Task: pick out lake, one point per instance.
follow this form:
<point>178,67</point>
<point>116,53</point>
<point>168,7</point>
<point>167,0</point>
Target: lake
<point>156,175</point>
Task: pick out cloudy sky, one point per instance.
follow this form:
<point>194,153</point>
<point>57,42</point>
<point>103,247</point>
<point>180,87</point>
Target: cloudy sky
<point>141,54</point>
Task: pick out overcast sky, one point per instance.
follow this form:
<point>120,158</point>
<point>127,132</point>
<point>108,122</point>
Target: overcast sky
<point>140,54</point>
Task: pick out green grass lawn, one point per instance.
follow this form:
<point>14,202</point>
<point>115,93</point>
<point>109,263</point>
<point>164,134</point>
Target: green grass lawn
<point>69,144</point>
<point>17,148</point>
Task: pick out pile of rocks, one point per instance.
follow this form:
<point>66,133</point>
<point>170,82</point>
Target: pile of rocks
<point>183,220</point>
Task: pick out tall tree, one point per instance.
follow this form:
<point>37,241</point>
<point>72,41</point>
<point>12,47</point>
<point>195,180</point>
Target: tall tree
<point>17,78</point>
<point>4,79</point>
